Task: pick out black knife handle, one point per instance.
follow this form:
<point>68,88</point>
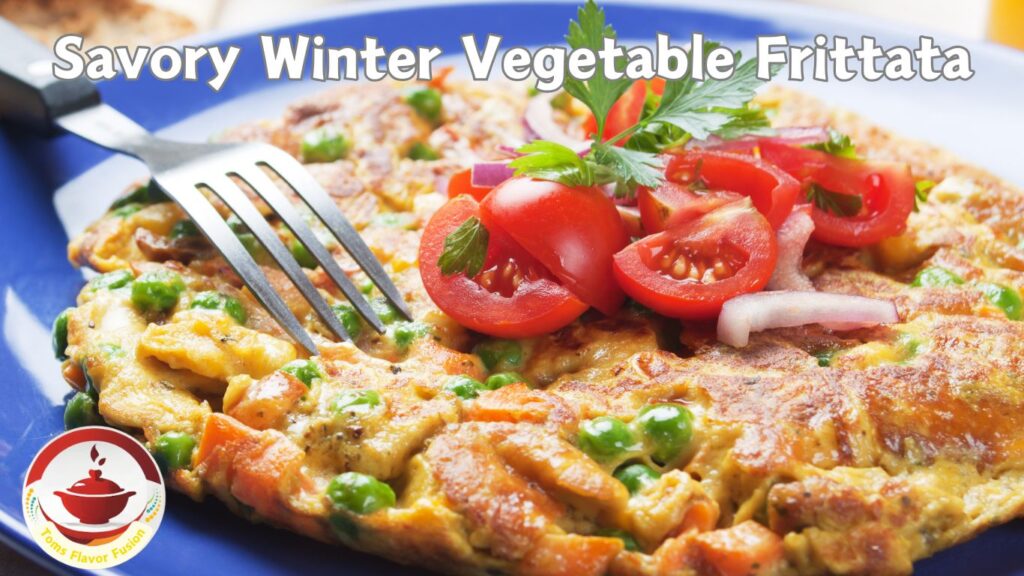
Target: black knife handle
<point>29,93</point>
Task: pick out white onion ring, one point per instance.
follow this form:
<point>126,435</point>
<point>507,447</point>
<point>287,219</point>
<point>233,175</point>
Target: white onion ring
<point>766,310</point>
<point>792,238</point>
<point>540,124</point>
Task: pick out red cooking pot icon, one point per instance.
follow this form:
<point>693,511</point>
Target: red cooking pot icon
<point>94,500</point>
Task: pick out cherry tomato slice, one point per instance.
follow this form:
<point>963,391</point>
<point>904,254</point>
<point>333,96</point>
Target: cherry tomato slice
<point>886,191</point>
<point>772,190</point>
<point>691,269</point>
<point>462,183</point>
<point>514,296</point>
<point>624,113</point>
<point>573,232</point>
<point>677,203</point>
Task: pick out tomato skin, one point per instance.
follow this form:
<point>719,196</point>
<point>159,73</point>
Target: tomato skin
<point>738,226</point>
<point>538,306</point>
<point>772,189</point>
<point>886,191</point>
<point>623,114</point>
<point>573,232</point>
<point>673,203</point>
<point>462,183</point>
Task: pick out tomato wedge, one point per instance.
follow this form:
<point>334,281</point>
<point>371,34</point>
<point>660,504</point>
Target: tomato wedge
<point>514,296</point>
<point>677,203</point>
<point>691,269</point>
<point>886,192</point>
<point>772,190</point>
<point>624,113</point>
<point>573,232</point>
<point>462,183</point>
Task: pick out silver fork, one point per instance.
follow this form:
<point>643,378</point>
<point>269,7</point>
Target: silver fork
<point>30,94</point>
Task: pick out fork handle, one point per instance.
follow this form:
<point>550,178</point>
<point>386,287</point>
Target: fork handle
<point>29,93</point>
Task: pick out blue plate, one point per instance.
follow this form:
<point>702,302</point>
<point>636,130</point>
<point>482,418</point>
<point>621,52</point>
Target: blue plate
<point>53,188</point>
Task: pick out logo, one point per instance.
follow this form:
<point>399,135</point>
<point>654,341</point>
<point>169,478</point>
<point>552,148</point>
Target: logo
<point>93,497</point>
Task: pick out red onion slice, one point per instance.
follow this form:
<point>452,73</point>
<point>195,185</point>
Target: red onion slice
<point>766,310</point>
<point>540,124</point>
<point>792,238</point>
<point>490,174</point>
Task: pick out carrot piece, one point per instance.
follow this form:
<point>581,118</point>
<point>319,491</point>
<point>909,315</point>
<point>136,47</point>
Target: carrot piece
<point>437,82</point>
<point>452,362</point>
<point>747,548</point>
<point>518,403</point>
<point>267,400</point>
<point>221,431</point>
<point>570,555</point>
<point>702,516</point>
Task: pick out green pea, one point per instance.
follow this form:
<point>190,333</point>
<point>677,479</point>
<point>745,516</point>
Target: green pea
<point>403,220</point>
<point>366,287</point>
<point>90,387</point>
<point>421,151</point>
<point>305,370</point>
<point>464,387</point>
<point>126,210</point>
<point>605,438</point>
<point>219,301</point>
<point>503,355</point>
<point>359,493</point>
<point>173,450</point>
<point>323,145</point>
<point>626,537</point>
<point>356,402</point>
<point>157,291</point>
<point>561,101</point>
<point>668,427</point>
<point>384,310</point>
<point>349,319</point>
<point>936,277</point>
<point>184,229</point>
<point>426,102</point>
<point>111,280</point>
<point>251,243</point>
<point>81,410</point>
<point>636,477</point>
<point>1006,299</point>
<point>825,357</point>
<point>502,379</point>
<point>60,335</point>
<point>302,255</point>
<point>405,332</point>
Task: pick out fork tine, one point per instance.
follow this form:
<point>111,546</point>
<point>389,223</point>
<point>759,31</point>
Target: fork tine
<point>272,195</point>
<point>307,188</point>
<point>240,204</point>
<point>220,235</point>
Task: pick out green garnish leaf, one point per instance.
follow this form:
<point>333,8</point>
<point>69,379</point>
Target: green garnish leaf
<point>552,161</point>
<point>599,93</point>
<point>630,166</point>
<point>921,190</point>
<point>839,204</point>
<point>465,249</point>
<point>838,144</point>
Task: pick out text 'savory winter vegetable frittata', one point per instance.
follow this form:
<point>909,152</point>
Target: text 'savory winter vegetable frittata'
<point>865,415</point>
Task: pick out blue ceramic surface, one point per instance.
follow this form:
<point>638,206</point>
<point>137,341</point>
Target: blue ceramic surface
<point>36,281</point>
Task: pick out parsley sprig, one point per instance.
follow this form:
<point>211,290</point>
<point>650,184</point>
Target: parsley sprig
<point>465,249</point>
<point>686,110</point>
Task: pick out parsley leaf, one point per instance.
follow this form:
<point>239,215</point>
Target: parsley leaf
<point>838,144</point>
<point>465,249</point>
<point>745,121</point>
<point>921,190</point>
<point>705,108</point>
<point>552,161</point>
<point>599,93</point>
<point>835,202</point>
<point>630,166</point>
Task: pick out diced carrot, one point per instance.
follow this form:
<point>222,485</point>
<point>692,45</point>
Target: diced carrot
<point>701,516</point>
<point>747,548</point>
<point>267,400</point>
<point>221,431</point>
<point>437,81</point>
<point>518,403</point>
<point>449,361</point>
<point>570,555</point>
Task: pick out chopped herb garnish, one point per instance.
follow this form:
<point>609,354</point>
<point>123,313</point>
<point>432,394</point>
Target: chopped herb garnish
<point>838,144</point>
<point>921,190</point>
<point>835,202</point>
<point>465,249</point>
